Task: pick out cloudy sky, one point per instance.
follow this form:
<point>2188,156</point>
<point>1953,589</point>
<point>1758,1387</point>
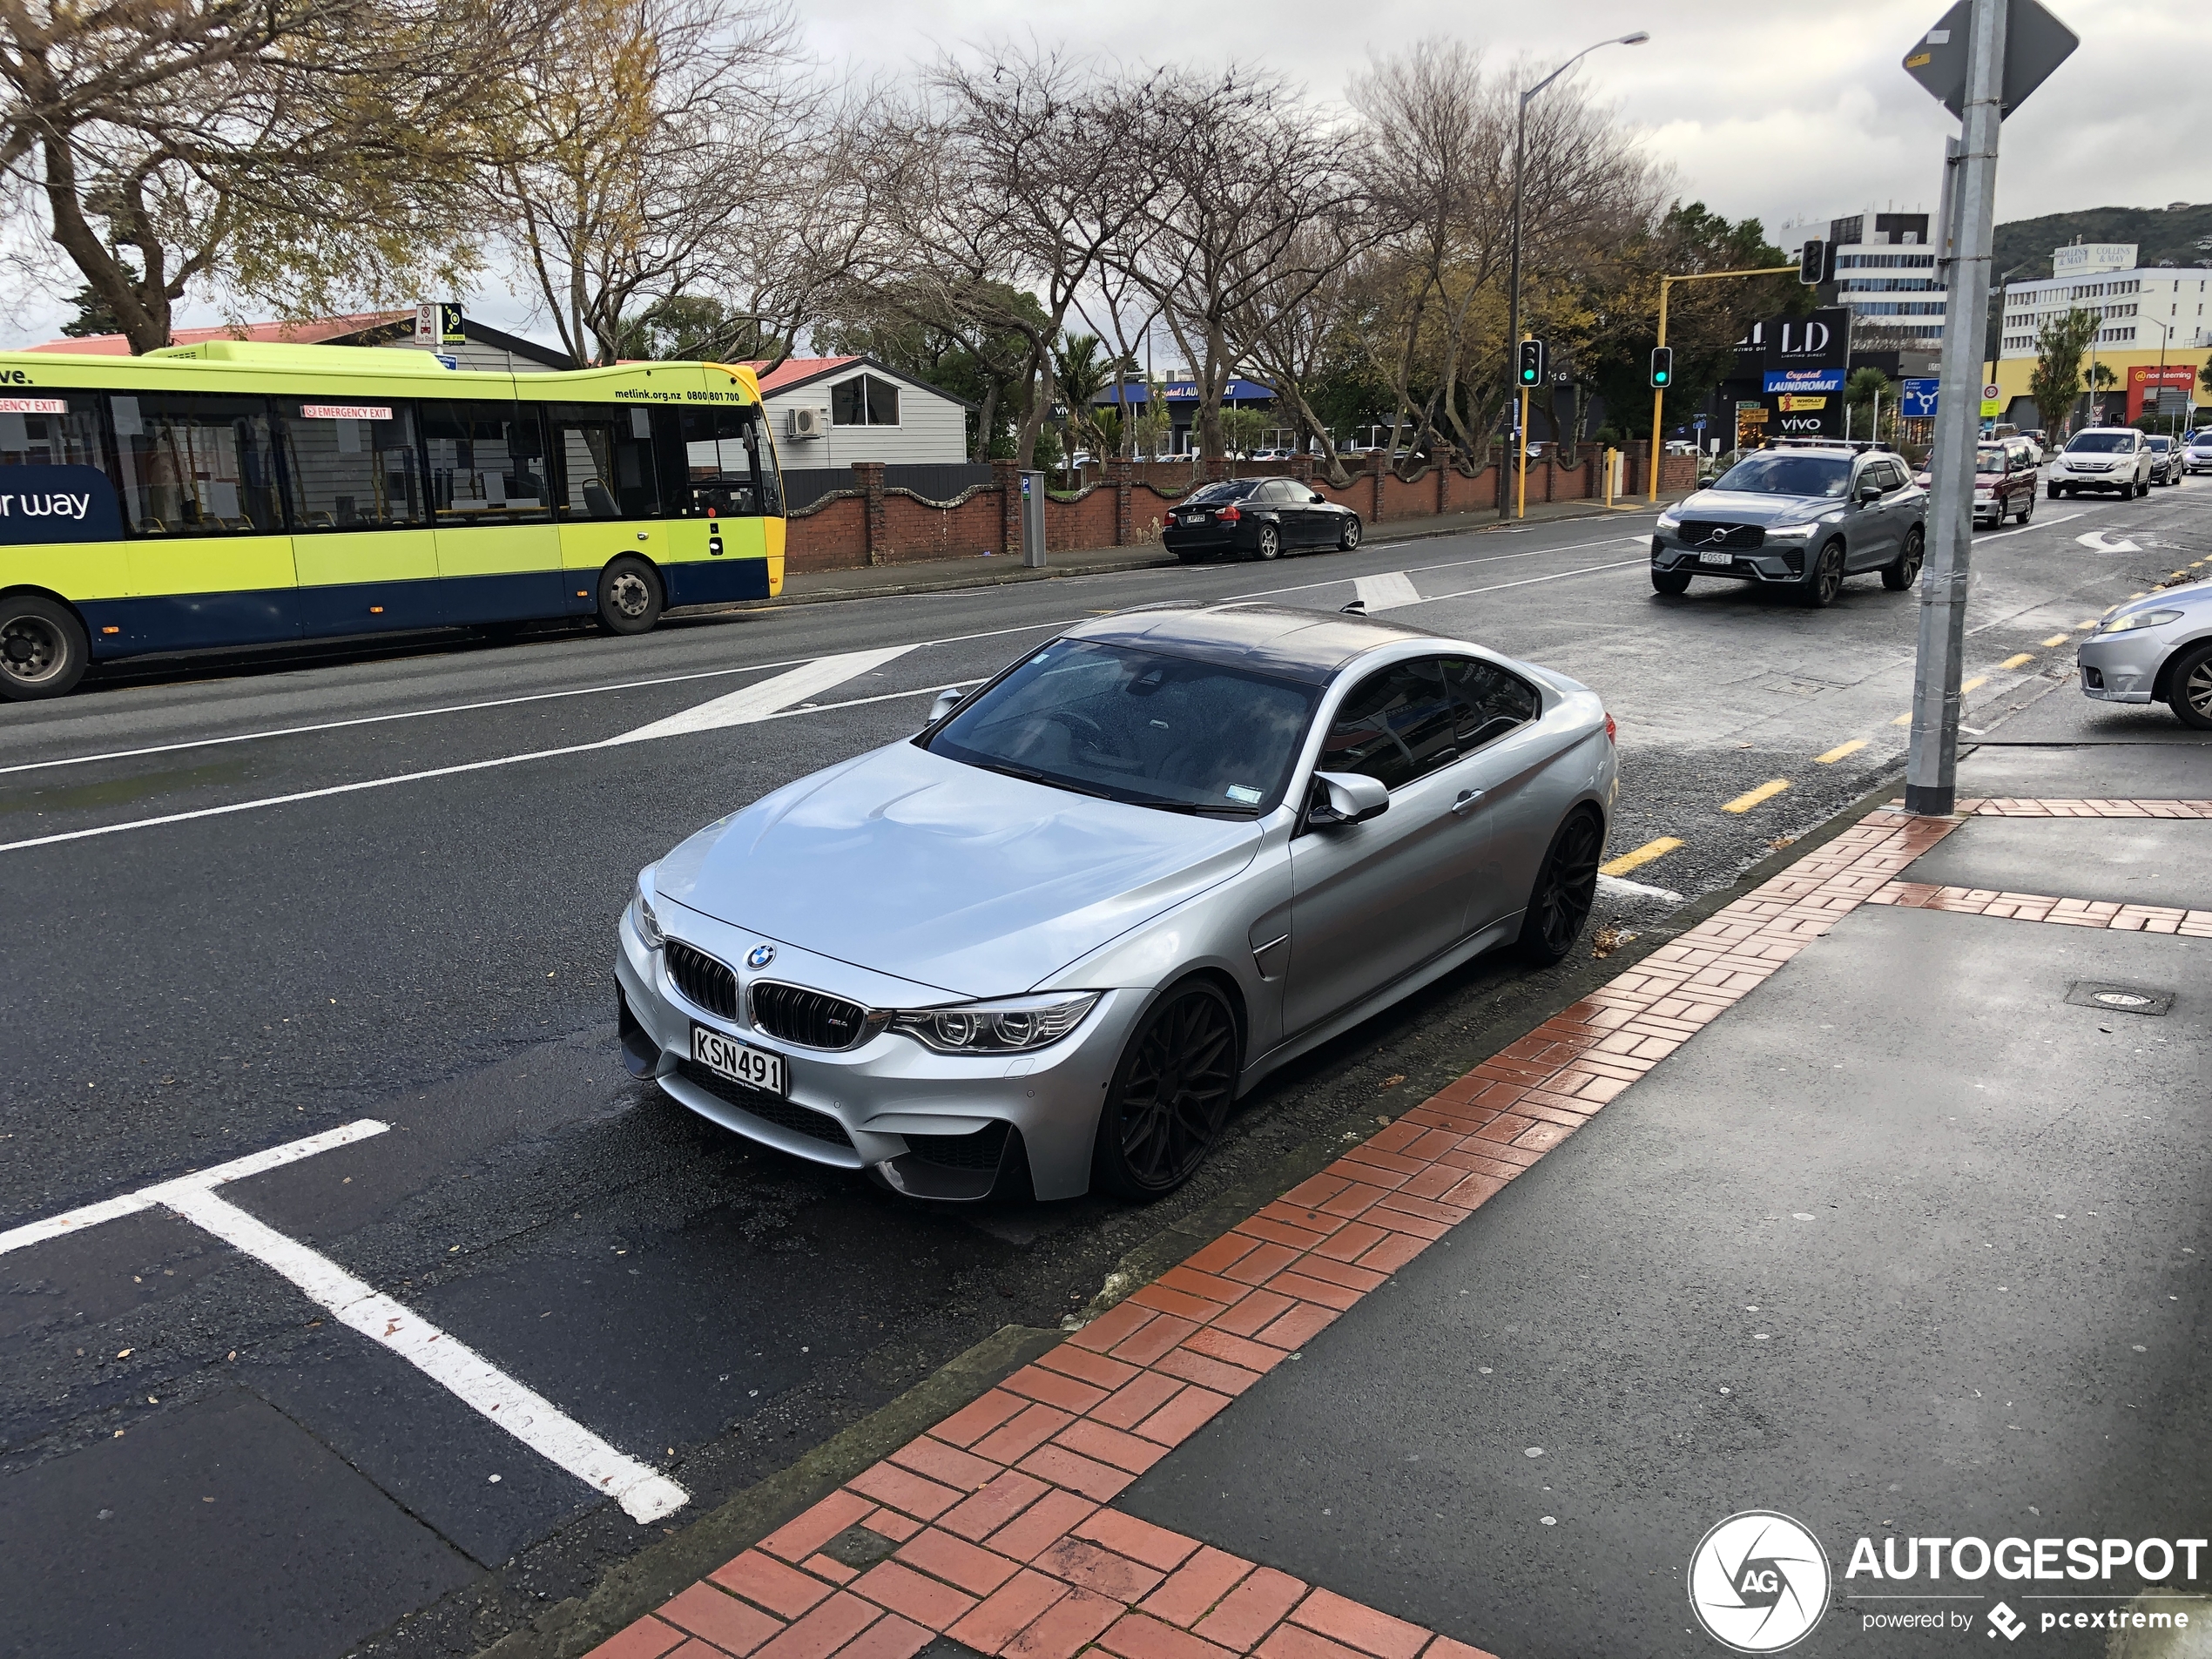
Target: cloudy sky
<point>1790,112</point>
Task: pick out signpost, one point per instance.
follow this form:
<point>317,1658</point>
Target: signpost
<point>1970,62</point>
<point>1919,403</point>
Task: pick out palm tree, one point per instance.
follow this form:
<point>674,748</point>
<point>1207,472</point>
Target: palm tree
<point>1081,376</point>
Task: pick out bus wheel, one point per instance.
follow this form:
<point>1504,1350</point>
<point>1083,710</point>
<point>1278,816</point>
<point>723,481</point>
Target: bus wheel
<point>630,596</point>
<point>43,648</point>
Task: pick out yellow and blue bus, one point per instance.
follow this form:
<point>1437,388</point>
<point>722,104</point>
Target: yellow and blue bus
<point>237,493</point>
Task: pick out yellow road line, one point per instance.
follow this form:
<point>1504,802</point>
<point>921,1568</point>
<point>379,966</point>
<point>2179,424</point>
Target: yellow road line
<point>1843,749</point>
<point>1904,718</point>
<point>2056,639</point>
<point>2092,622</point>
<point>2016,661</point>
<point>1975,684</point>
<point>1751,797</point>
<point>1640,857</point>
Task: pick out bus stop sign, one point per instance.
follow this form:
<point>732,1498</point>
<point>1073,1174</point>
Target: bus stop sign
<point>2036,43</point>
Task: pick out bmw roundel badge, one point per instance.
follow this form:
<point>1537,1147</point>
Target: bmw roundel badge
<point>761,955</point>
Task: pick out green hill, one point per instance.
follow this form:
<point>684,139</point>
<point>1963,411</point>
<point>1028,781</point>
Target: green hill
<point>2182,235</point>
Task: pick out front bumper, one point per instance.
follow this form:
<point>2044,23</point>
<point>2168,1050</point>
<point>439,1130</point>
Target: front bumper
<point>2060,478</point>
<point>1774,563</point>
<point>922,1123</point>
<point>2121,668</point>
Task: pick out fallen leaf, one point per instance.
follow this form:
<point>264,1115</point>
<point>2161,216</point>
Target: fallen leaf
<point>1393,1081</point>
<point>126,1353</point>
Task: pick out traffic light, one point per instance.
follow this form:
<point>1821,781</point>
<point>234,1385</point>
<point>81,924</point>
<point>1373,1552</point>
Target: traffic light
<point>1812,258</point>
<point>1532,362</point>
<point>1662,366</point>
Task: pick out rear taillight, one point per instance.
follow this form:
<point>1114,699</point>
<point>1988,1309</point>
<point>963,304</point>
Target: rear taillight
<point>1228,515</point>
<point>1611,730</point>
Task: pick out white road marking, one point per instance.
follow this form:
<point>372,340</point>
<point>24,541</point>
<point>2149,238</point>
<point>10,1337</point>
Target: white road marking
<point>643,1492</point>
<point>237,1169</point>
<point>2094,540</point>
<point>1387,591</point>
<point>756,702</point>
<point>1615,886</point>
<point>1527,581</point>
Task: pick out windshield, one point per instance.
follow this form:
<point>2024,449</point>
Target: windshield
<point>2198,440</point>
<point>1136,726</point>
<point>1227,489</point>
<point>2100,443</point>
<point>1989,461</point>
<point>1789,475</point>
<point>2161,444</point>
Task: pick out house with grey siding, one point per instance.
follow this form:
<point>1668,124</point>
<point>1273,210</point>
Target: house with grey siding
<point>830,412</point>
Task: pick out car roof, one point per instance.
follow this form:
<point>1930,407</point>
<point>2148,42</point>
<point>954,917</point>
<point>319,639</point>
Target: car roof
<point>1281,640</point>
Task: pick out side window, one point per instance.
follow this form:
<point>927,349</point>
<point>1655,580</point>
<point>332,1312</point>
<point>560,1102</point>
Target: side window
<point>864,400</point>
<point>52,429</point>
<point>486,463</point>
<point>351,466</point>
<point>1395,726</point>
<point>54,482</point>
<point>195,465</point>
<point>1486,702</point>
<point>606,460</point>
<point>729,463</point>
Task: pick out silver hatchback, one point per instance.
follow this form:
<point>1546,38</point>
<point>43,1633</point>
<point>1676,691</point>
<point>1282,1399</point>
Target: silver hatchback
<point>1045,943</point>
<point>2157,649</point>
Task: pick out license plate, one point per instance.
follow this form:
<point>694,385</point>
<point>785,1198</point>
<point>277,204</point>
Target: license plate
<point>740,1063</point>
<point>1193,518</point>
<point>1711,557</point>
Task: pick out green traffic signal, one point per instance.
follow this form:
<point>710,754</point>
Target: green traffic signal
<point>1662,366</point>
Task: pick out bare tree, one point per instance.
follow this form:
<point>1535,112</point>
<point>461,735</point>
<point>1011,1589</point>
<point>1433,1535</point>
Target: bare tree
<point>615,173</point>
<point>296,151</point>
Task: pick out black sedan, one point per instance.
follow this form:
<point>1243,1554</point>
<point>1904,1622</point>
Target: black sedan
<point>1256,518</point>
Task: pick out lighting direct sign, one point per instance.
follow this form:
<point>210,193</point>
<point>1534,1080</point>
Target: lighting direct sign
<point>1805,380</point>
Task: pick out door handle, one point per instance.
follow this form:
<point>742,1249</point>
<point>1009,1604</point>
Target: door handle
<point>1468,800</point>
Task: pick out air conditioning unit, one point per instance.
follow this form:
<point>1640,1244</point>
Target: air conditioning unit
<point>809,423</point>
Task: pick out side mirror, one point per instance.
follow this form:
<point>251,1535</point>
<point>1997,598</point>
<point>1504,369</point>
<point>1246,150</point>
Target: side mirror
<point>1870,491</point>
<point>1315,498</point>
<point>947,701</point>
<point>1346,798</point>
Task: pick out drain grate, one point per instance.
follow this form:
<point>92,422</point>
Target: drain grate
<point>2119,999</point>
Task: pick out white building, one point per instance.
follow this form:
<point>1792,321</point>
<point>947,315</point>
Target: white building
<point>2140,309</point>
<point>829,412</point>
<point>1886,273</point>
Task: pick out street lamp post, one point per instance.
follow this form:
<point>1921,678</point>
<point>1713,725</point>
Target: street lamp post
<point>1513,303</point>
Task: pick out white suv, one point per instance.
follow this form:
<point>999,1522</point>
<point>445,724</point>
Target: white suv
<point>2198,456</point>
<point>2103,458</point>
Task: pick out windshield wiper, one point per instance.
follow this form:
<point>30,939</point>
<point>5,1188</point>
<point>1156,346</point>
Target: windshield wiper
<point>1199,809</point>
<point>1029,775</point>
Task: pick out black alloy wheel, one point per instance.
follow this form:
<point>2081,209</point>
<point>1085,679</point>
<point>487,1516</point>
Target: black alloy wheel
<point>1268,544</point>
<point>1670,581</point>
<point>1902,571</point>
<point>43,649</point>
<point>1348,538</point>
<point>1566,888</point>
<point>1169,1095</point>
<point>630,596</point>
<point>1826,580</point>
<point>2188,689</point>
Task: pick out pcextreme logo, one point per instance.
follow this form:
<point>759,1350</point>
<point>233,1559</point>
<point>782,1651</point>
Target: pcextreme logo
<point>1758,1582</point>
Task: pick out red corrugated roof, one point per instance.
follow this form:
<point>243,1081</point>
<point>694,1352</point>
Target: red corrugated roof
<point>793,370</point>
<point>311,331</point>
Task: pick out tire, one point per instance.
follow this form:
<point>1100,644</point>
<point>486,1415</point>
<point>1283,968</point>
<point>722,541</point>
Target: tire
<point>2142,489</point>
<point>1670,581</point>
<point>1268,544</point>
<point>1902,571</point>
<point>1349,537</point>
<point>44,651</point>
<point>2028,510</point>
<point>630,600</point>
<point>2054,491</point>
<point>1826,580</point>
<point>2188,688</point>
<point>1169,1095</point>
<point>1559,905</point>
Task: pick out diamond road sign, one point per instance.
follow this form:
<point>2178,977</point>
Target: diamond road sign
<point>2036,43</point>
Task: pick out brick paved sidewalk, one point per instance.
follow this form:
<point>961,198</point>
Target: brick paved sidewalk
<point>996,1527</point>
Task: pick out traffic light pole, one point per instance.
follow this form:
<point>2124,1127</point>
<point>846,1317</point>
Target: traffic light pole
<point>1659,393</point>
<point>1932,771</point>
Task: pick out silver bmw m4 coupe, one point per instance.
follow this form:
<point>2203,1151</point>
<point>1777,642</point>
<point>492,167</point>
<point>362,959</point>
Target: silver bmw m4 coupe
<point>1045,943</point>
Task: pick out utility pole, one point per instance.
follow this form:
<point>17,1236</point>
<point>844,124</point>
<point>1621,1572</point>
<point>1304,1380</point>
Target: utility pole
<point>1659,393</point>
<point>1931,772</point>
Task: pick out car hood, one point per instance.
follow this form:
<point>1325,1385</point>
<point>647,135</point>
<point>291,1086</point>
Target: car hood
<point>2194,598</point>
<point>915,865</point>
<point>1743,507</point>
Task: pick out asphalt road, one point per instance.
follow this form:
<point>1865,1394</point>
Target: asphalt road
<point>251,902</point>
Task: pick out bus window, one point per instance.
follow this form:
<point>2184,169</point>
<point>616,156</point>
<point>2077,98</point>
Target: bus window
<point>606,455</point>
<point>353,465</point>
<point>486,463</point>
<point>194,465</point>
<point>52,429</point>
<point>733,469</point>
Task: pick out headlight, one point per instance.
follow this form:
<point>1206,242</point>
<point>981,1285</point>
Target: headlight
<point>1669,522</point>
<point>1007,1027</point>
<point>643,918</point>
<point>1985,494</point>
<point>2141,619</point>
<point>1805,529</point>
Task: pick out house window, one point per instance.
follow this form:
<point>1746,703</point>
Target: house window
<point>864,400</point>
